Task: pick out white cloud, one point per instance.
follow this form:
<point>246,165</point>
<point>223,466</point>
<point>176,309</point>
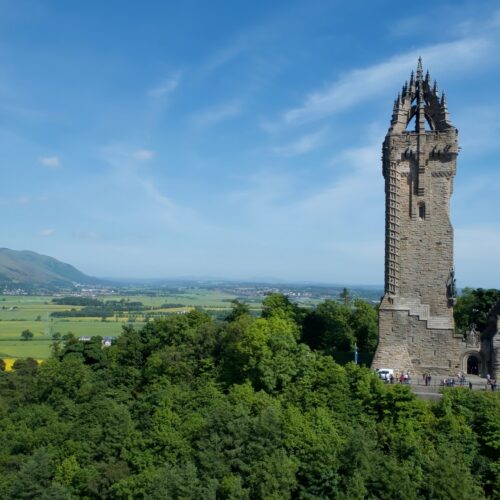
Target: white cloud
<point>216,114</point>
<point>143,154</point>
<point>50,161</point>
<point>166,87</point>
<point>302,145</point>
<point>47,232</point>
<point>364,84</point>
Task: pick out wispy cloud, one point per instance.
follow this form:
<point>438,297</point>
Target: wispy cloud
<point>46,233</point>
<point>213,115</point>
<point>126,170</point>
<point>226,54</point>
<point>143,154</point>
<point>302,145</point>
<point>50,161</point>
<point>166,87</point>
<point>363,84</point>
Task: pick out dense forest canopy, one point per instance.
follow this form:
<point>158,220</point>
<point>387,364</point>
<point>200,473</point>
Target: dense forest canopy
<point>246,408</point>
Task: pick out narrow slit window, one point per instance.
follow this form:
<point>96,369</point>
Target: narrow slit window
<point>421,211</point>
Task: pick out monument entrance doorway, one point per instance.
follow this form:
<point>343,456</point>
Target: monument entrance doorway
<point>472,365</point>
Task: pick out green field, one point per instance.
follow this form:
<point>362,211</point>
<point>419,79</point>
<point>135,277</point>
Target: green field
<point>37,349</point>
<point>19,313</point>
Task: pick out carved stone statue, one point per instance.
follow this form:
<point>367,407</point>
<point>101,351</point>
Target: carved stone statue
<point>472,337</point>
<point>451,285</point>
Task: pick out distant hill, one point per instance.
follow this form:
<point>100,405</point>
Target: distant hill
<point>26,268</point>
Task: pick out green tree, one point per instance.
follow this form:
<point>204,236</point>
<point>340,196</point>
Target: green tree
<point>364,322</point>
<point>345,296</point>
<point>473,306</point>
<point>278,305</point>
<point>238,309</point>
<point>328,327</point>
<point>27,335</point>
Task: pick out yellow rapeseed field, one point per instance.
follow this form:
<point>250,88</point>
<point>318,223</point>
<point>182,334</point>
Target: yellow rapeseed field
<point>9,362</point>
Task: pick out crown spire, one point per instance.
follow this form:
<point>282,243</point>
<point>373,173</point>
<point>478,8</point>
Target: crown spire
<point>421,99</point>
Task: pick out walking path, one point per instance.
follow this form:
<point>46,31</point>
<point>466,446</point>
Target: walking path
<point>434,390</point>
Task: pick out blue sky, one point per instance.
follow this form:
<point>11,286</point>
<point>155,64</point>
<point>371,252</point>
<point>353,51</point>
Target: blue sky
<point>235,139</point>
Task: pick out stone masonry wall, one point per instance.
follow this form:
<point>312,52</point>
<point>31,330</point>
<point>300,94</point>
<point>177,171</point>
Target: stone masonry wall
<point>425,244</point>
<point>408,344</point>
<point>416,327</point>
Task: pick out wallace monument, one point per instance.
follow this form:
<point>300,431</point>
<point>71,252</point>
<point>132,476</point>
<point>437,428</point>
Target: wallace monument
<point>416,326</point>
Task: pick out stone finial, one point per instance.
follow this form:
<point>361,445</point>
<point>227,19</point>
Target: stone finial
<point>444,108</point>
<point>419,69</point>
<point>443,101</point>
<point>435,88</point>
<point>427,77</point>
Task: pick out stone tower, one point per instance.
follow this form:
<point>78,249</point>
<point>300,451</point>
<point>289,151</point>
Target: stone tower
<point>416,327</point>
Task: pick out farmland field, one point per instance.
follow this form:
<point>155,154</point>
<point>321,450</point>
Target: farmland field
<point>19,313</point>
<point>41,316</point>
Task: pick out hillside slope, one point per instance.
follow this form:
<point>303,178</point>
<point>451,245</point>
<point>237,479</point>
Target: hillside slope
<point>30,268</point>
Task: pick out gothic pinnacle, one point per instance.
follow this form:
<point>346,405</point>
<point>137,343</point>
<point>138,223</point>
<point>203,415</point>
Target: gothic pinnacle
<point>419,69</point>
<point>444,108</point>
<point>443,100</point>
<point>435,88</point>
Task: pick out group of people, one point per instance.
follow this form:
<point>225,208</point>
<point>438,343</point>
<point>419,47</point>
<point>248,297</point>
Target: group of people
<point>451,382</point>
<point>402,378</point>
<point>427,378</point>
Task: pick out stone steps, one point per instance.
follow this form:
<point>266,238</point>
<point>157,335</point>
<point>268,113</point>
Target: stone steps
<point>423,313</point>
